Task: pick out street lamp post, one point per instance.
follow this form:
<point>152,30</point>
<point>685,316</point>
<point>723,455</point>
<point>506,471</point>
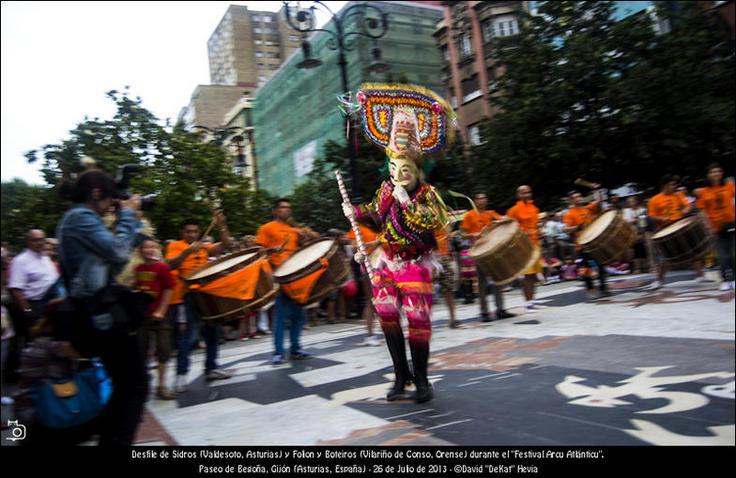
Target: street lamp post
<point>372,23</point>
<point>221,134</point>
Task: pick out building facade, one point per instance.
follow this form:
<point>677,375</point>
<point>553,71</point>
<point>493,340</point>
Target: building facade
<point>296,112</point>
<point>209,104</point>
<point>465,37</point>
<point>248,46</point>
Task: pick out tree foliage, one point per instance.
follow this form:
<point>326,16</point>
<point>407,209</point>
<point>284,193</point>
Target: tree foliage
<point>177,166</point>
<point>613,101</point>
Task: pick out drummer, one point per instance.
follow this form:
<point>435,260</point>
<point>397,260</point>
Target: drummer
<point>183,257</point>
<point>578,216</point>
<point>665,208</point>
<point>527,214</point>
<point>717,200</point>
<point>281,239</point>
<point>473,223</point>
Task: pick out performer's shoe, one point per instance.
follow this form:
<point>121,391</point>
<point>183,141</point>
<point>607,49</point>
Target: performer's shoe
<point>397,349</point>
<point>486,317</point>
<point>398,392</point>
<point>504,314</point>
<point>420,360</point>
<point>300,355</point>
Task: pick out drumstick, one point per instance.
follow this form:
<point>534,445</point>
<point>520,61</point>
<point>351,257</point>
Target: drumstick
<point>207,231</point>
<point>458,195</point>
<point>354,225</point>
<point>587,184</point>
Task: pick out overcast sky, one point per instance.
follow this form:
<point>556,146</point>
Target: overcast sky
<point>59,59</point>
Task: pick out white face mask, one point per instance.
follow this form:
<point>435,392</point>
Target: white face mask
<point>404,172</point>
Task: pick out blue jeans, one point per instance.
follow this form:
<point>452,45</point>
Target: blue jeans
<point>287,309</point>
<point>185,341</point>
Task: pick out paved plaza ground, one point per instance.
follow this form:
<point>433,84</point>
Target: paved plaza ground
<point>637,368</point>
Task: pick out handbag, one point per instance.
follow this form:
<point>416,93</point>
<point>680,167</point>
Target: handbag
<point>73,400</point>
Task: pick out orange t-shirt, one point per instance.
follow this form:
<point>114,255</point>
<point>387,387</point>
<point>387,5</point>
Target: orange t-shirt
<point>717,202</point>
<point>367,234</point>
<point>190,264</point>
<point>580,215</point>
<point>273,234</point>
<point>443,239</point>
<point>669,206</point>
<point>474,222</point>
<point>528,216</point>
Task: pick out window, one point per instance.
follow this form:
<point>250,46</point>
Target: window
<point>294,37</point>
<point>470,89</point>
<point>259,54</point>
<point>446,53</point>
<point>505,26</point>
<point>465,48</point>
<point>260,66</point>
<point>267,19</point>
<point>474,134</point>
<point>487,28</point>
<point>255,18</point>
<point>258,42</point>
<point>257,30</point>
<point>273,67</point>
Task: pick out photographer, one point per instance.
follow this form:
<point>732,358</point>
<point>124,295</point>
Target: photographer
<point>103,318</point>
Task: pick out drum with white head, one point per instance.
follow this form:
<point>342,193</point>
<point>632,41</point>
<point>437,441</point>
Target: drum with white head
<point>608,237</point>
<point>683,241</point>
<point>231,286</point>
<point>503,252</point>
<point>313,271</point>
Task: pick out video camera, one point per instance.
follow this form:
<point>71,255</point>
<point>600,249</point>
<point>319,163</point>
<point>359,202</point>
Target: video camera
<point>122,181</point>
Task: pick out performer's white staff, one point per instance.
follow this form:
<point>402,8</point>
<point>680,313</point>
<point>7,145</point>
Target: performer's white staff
<point>354,225</point>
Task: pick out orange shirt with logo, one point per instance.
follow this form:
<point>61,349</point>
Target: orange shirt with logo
<point>580,215</point>
<point>668,206</point>
<point>367,234</point>
<point>192,262</point>
<point>717,202</point>
<point>474,222</point>
<point>528,216</point>
<point>273,234</point>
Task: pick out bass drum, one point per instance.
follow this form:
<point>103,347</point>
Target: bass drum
<point>683,241</point>
<point>313,271</point>
<point>503,252</point>
<point>231,286</point>
<point>607,238</point>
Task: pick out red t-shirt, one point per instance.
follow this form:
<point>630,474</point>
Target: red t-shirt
<point>153,279</point>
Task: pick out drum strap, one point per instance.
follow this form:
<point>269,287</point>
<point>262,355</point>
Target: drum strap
<point>301,289</point>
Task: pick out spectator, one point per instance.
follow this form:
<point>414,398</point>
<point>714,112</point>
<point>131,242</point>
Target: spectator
<point>154,278</point>
<point>106,325</point>
<point>31,283</point>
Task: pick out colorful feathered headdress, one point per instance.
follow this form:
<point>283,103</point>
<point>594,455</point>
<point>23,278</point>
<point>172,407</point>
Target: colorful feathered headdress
<point>407,120</point>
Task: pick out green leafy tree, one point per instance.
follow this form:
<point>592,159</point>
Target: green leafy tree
<point>586,95</point>
<point>27,206</point>
<point>188,176</point>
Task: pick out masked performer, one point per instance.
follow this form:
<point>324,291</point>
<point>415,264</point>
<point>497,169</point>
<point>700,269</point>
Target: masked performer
<point>408,122</point>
